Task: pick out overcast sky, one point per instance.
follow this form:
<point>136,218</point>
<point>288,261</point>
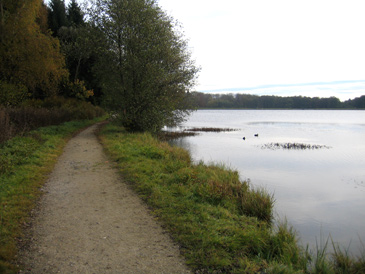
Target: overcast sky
<point>243,45</point>
<point>279,47</point>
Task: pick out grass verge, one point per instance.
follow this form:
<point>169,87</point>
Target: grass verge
<point>25,162</point>
<point>223,225</point>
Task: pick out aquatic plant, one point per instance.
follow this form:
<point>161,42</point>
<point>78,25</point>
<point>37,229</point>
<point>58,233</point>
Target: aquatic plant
<point>170,135</point>
<point>295,146</point>
<point>211,129</point>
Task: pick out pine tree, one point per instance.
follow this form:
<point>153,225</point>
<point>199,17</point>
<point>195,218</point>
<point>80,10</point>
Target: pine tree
<point>57,17</point>
<point>75,16</point>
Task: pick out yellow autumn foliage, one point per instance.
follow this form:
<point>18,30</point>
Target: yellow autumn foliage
<point>29,55</point>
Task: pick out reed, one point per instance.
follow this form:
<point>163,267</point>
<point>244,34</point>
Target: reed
<point>36,113</point>
<point>344,262</point>
<point>170,135</point>
<point>293,146</point>
<point>210,129</point>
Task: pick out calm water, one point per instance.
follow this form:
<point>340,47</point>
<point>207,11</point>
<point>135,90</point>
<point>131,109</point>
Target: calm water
<point>320,192</point>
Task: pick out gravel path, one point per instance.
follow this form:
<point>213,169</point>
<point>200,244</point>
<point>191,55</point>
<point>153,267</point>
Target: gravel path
<point>89,221</point>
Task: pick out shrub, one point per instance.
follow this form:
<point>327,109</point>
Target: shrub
<point>11,94</point>
<point>36,113</point>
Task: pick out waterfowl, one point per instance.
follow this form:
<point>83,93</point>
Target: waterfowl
<point>256,135</point>
<point>244,138</point>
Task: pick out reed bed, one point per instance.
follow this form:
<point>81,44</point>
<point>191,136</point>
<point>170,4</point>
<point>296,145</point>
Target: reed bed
<point>293,146</point>
<point>34,114</point>
<point>170,135</point>
<point>210,129</point>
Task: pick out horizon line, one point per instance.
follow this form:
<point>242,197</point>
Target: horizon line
<point>284,85</point>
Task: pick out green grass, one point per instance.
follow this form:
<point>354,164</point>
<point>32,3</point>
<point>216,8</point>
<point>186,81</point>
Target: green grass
<point>221,223</point>
<point>25,162</point>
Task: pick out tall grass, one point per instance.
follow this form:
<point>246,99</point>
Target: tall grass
<point>25,162</point>
<point>37,113</point>
<point>223,225</point>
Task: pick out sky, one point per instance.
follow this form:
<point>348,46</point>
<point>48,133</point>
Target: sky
<point>282,47</point>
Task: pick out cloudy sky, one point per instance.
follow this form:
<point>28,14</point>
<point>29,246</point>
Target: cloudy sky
<point>281,47</point>
<point>275,47</point>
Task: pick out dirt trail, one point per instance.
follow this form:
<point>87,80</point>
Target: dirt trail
<point>89,221</point>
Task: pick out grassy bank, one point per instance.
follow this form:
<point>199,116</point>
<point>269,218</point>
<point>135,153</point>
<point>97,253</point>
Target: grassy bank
<point>222,225</point>
<point>25,162</point>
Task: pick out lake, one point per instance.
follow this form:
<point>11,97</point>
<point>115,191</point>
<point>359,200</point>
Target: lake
<point>321,191</point>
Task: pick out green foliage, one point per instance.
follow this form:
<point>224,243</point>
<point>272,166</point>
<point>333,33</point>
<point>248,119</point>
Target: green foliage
<point>24,165</point>
<point>358,102</point>
<point>57,16</point>
<point>75,16</point>
<point>344,263</point>
<point>247,101</point>
<point>80,45</point>
<point>76,89</point>
<point>12,94</point>
<point>146,72</point>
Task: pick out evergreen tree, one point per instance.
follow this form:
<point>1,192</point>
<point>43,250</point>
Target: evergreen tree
<point>57,17</point>
<point>75,16</point>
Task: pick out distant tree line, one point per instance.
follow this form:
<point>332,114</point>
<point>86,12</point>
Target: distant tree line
<point>247,101</point>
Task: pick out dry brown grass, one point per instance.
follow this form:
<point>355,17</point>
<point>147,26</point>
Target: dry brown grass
<point>5,128</point>
<point>17,121</point>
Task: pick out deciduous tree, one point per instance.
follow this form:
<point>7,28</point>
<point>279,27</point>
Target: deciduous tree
<point>148,70</point>
<point>29,55</point>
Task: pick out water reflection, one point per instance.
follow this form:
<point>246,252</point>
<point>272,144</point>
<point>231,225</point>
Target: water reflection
<point>319,191</point>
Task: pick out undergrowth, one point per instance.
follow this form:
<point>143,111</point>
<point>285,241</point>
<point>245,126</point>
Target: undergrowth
<point>40,113</point>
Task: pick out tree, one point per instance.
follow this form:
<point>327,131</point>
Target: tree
<point>29,56</point>
<point>75,16</point>
<point>57,17</point>
<point>79,44</point>
<point>147,71</point>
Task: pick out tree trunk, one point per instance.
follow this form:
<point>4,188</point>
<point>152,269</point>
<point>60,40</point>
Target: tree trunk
<point>77,68</point>
<point>2,21</point>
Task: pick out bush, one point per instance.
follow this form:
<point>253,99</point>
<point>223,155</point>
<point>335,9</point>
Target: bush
<point>11,94</point>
